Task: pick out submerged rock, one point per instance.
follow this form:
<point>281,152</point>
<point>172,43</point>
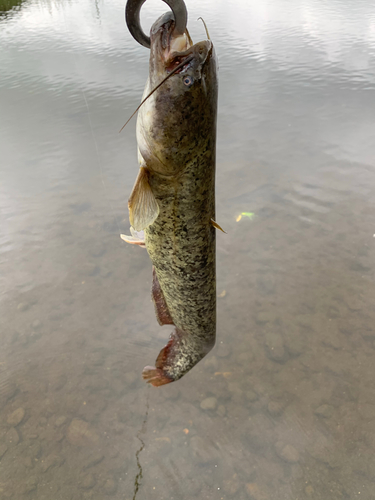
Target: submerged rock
<point>31,484</point>
<point>3,450</point>
<point>88,482</point>
<point>275,347</point>
<point>265,317</point>
<point>251,396</point>
<point>224,351</point>
<point>211,363</point>
<point>93,459</point>
<point>275,408</point>
<point>204,451</point>
<point>80,433</point>
<point>130,379</point>
<point>209,403</point>
<point>11,437</point>
<point>287,452</point>
<point>110,486</point>
<point>221,411</point>
<point>36,324</point>
<point>16,417</point>
<point>23,306</point>
<point>231,486</point>
<point>309,490</point>
<point>324,411</point>
<point>51,461</point>
<point>255,492</point>
<point>60,421</point>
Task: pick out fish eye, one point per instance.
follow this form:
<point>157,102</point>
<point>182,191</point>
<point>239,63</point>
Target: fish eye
<point>188,81</point>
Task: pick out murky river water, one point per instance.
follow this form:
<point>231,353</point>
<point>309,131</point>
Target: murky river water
<point>284,406</point>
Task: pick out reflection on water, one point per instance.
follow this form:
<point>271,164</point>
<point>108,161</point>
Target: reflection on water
<point>8,5</point>
<point>284,407</point>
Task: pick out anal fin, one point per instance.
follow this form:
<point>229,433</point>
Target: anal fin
<point>161,309</point>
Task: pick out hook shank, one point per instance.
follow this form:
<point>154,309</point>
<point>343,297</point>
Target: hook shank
<point>133,22</point>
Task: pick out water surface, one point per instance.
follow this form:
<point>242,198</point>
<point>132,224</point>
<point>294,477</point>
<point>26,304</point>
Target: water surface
<point>291,408</point>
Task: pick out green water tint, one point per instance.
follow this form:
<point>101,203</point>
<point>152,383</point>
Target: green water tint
<point>6,5</point>
<point>249,215</point>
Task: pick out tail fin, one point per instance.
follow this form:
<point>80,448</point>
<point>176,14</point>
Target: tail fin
<point>155,375</point>
<point>182,352</point>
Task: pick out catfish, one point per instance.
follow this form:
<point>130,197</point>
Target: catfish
<point>172,204</point>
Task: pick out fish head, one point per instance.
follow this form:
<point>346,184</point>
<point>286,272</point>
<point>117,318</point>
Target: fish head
<point>178,121</point>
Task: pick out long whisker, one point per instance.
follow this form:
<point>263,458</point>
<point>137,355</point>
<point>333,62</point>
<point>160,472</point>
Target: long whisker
<point>179,66</point>
<point>189,37</point>
<point>205,27</point>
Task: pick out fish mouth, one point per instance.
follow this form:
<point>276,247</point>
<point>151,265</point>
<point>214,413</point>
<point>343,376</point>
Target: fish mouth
<point>171,48</point>
<point>175,60</point>
<point>169,40</point>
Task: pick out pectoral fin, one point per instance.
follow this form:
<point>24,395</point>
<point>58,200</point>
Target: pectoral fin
<point>215,224</point>
<point>136,238</point>
<point>143,207</point>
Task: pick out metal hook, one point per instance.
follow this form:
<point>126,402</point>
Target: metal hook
<point>133,22</point>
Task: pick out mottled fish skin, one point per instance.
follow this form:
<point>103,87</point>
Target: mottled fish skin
<point>176,133</point>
